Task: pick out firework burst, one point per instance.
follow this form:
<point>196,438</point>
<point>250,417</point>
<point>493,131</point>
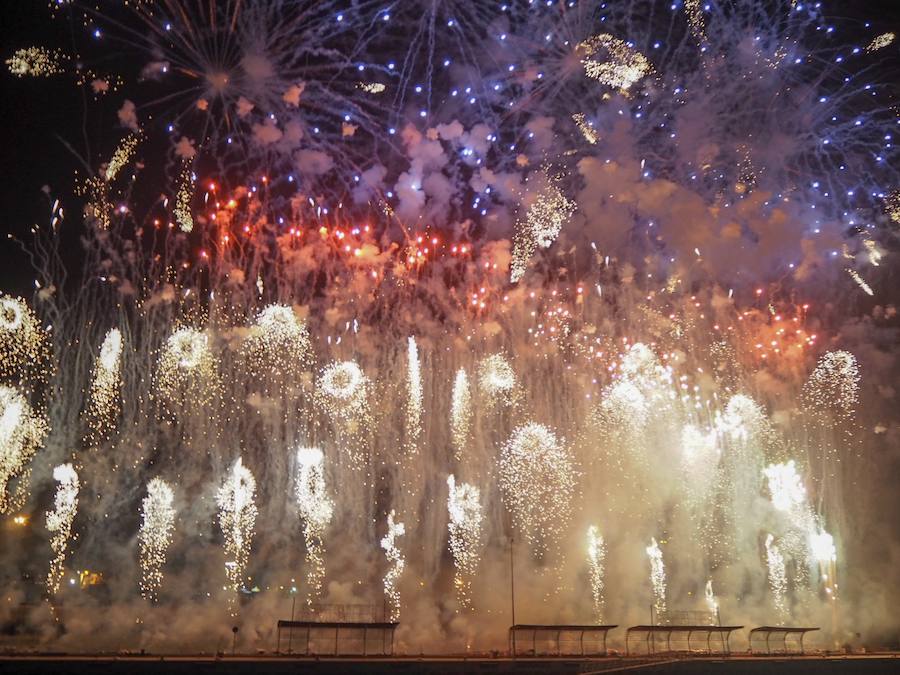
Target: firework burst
<point>237,519</point>
<point>396,565</point>
<point>155,536</point>
<point>60,520</point>
<point>22,432</point>
<point>466,515</point>
<point>316,508</point>
<point>105,395</point>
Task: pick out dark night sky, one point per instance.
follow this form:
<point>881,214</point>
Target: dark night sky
<point>36,114</point>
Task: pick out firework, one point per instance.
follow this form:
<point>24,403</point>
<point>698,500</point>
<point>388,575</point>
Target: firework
<point>36,62</point>
<point>413,396</point>
<point>460,413</point>
<point>186,374</point>
<point>712,603</point>
<point>466,515</point>
<point>342,391</point>
<point>59,522</point>
<point>496,379</point>
<point>547,211</point>
<point>105,396</point>
<point>596,555</point>
<point>237,519</point>
<point>880,42</point>
<point>785,487</point>
<point>157,525</point>
<point>618,67</point>
<point>183,196</point>
<point>123,154</point>
<point>22,432</point>
<point>396,564</point>
<point>316,508</point>
<point>834,385</point>
<point>278,343</point>
<point>777,578</point>
<point>537,478</point>
<point>657,578</point>
<point>860,281</point>
<point>24,345</point>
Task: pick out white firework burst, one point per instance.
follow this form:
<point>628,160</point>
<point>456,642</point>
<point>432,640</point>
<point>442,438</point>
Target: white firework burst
<point>657,577</point>
<point>155,536</point>
<point>22,432</point>
<point>413,397</point>
<point>596,556</point>
<point>278,342</point>
<point>59,522</point>
<point>316,508</point>
<point>396,565</point>
<point>466,516</point>
<point>777,578</point>
<point>496,379</point>
<point>537,477</point>
<point>460,413</point>
<point>105,396</point>
<point>237,519</point>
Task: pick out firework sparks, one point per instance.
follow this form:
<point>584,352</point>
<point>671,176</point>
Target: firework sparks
<point>185,193</point>
<point>712,603</point>
<point>186,371</point>
<point>860,281</point>
<point>123,154</point>
<point>496,379</point>
<point>396,564</point>
<point>24,345</point>
<point>777,578</point>
<point>785,487</point>
<point>157,525</point>
<point>622,67</point>
<point>237,519</point>
<point>466,515</point>
<point>596,555</point>
<point>316,508</point>
<point>278,342</point>
<point>657,578</point>
<point>413,397</point>
<point>544,218</point>
<point>460,413</point>
<point>59,522</point>
<point>105,396</point>
<point>880,42</point>
<point>537,477</point>
<point>22,432</point>
<point>36,62</point>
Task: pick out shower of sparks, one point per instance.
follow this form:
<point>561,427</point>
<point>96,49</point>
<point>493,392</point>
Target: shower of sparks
<point>396,564</point>
<point>618,66</point>
<point>834,385</point>
<point>105,396</point>
<point>460,413</point>
<point>342,392</point>
<point>860,281</point>
<point>590,134</point>
<point>183,215</point>
<point>316,508</point>
<point>496,379</point>
<point>157,525</point>
<point>596,555</point>
<point>545,216</point>
<point>821,544</point>
<point>278,342</point>
<point>24,345</point>
<point>881,42</point>
<point>22,432</point>
<point>413,397</point>
<point>36,62</point>
<point>237,518</point>
<point>743,418</point>
<point>371,87</point>
<point>777,578</point>
<point>537,478</point>
<point>892,206</point>
<point>785,487</point>
<point>466,515</point>
<point>712,603</point>
<point>123,154</point>
<point>59,522</point>
<point>186,371</point>
<point>657,578</point>
<point>695,19</point>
